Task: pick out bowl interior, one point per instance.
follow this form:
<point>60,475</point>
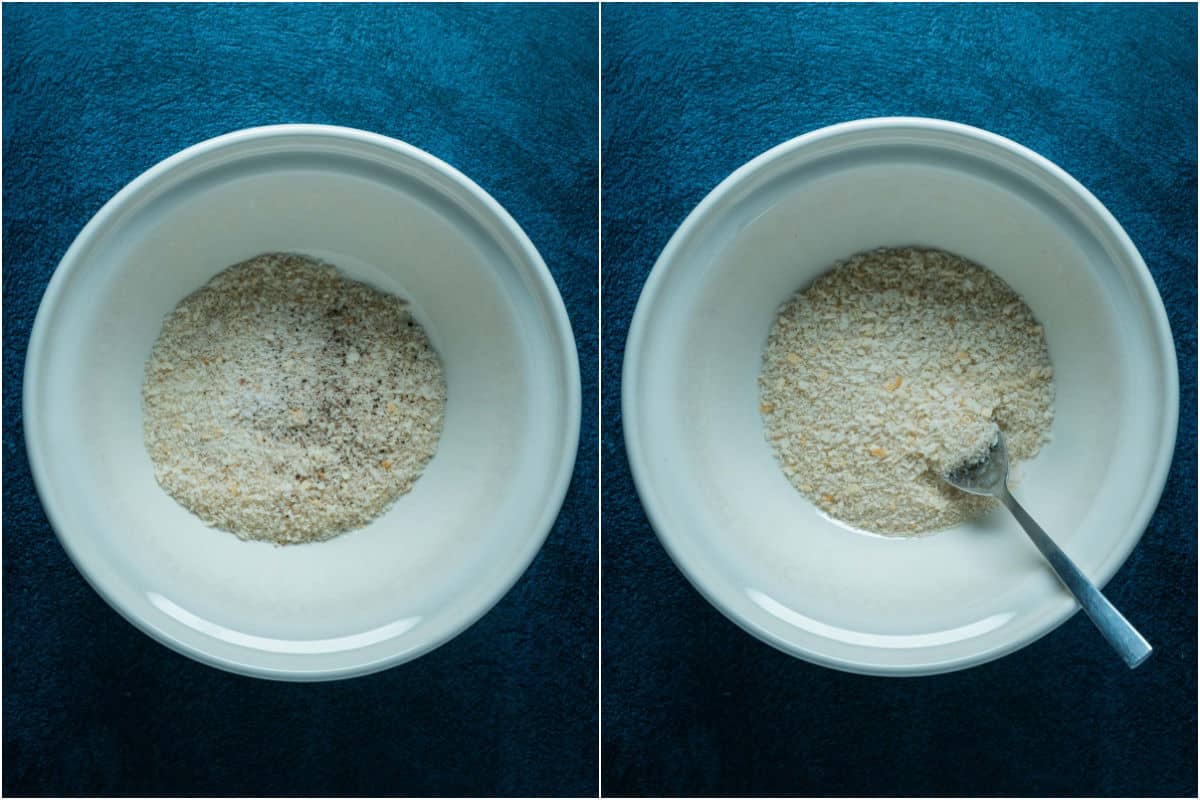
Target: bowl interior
<point>443,553</point>
<point>753,544</point>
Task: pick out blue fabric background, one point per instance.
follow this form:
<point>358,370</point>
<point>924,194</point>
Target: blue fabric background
<point>692,705</point>
<point>95,95</point>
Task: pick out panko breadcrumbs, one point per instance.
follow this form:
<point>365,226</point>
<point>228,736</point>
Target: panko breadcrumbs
<point>892,367</point>
<point>285,403</point>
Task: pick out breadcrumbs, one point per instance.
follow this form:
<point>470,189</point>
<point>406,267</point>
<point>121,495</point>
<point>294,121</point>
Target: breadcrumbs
<point>891,367</point>
<point>285,403</point>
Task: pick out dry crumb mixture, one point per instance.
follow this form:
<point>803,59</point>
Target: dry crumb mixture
<point>891,367</point>
<point>286,403</point>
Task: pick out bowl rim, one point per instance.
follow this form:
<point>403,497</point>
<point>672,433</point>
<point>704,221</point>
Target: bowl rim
<point>528,261</point>
<point>642,323</point>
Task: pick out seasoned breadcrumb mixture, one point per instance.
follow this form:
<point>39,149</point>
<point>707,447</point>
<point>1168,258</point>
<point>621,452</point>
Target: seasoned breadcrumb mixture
<point>283,402</point>
<point>889,369</point>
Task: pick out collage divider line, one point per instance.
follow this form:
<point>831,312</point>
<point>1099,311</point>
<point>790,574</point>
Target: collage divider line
<point>599,396</point>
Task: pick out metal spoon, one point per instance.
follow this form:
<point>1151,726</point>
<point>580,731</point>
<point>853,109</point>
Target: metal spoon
<point>990,477</point>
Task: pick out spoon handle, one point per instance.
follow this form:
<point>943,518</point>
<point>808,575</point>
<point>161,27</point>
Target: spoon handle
<point>1120,634</point>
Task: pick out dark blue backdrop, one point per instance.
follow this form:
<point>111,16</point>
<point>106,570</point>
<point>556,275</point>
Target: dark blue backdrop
<point>691,704</point>
<point>95,95</point>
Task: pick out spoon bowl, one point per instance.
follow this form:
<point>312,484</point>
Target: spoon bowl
<point>983,477</point>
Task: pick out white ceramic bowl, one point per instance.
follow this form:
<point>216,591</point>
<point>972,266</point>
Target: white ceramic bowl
<point>385,213</point>
<point>748,541</point>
